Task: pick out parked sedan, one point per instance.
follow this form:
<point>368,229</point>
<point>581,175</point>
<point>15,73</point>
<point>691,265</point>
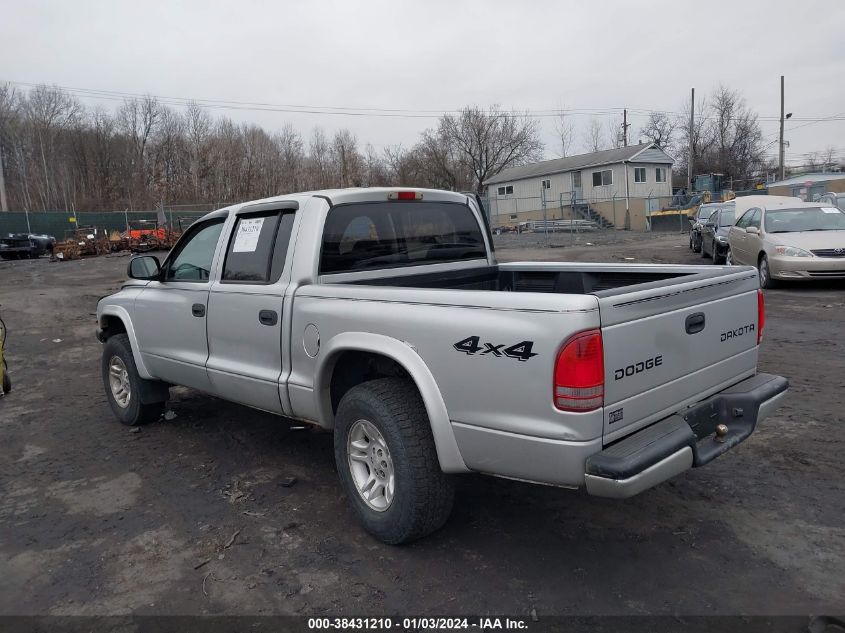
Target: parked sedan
<point>799,241</point>
<point>833,200</point>
<point>701,216</point>
<point>714,232</point>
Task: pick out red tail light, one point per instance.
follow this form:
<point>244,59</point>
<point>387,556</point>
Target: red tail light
<point>404,195</point>
<point>761,315</point>
<point>579,373</point>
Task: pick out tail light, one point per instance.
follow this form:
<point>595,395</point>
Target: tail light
<point>405,195</point>
<point>761,315</point>
<point>579,373</point>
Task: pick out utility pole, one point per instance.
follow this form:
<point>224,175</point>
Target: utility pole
<point>780,162</point>
<point>691,130</point>
<point>4,205</point>
<point>625,126</point>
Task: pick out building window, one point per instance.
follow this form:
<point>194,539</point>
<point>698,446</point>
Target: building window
<point>639,174</point>
<point>660,174</point>
<point>509,190</point>
<point>514,216</point>
<point>604,177</point>
<point>547,184</point>
<point>501,191</point>
<point>576,179</point>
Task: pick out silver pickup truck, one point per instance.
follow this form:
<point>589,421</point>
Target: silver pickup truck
<point>383,316</point>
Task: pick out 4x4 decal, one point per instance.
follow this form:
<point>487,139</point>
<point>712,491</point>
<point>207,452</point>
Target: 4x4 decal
<point>472,345</point>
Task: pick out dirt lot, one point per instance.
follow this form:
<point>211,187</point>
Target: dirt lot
<point>97,519</point>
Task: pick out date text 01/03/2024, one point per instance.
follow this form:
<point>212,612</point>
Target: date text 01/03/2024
<point>417,623</point>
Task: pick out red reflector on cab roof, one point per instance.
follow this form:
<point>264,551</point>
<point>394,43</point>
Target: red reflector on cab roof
<point>404,195</point>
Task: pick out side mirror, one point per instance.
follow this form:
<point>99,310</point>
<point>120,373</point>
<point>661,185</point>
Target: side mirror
<point>753,230</point>
<point>145,268</point>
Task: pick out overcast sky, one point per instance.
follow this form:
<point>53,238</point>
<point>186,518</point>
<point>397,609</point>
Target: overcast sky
<point>441,55</point>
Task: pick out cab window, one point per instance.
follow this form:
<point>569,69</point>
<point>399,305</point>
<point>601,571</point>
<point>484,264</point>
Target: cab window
<point>192,261</point>
<point>257,248</point>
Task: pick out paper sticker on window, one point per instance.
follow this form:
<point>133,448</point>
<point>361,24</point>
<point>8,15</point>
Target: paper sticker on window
<point>246,240</point>
<point>830,210</point>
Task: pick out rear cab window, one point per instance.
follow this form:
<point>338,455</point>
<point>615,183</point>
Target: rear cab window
<point>374,235</point>
<point>258,248</point>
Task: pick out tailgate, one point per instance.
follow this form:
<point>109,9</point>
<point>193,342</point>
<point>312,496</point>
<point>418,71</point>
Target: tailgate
<point>670,344</point>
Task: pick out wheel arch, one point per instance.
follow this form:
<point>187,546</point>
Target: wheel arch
<point>114,320</point>
<point>405,358</point>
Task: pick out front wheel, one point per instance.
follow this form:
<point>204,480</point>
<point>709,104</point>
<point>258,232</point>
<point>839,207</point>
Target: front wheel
<point>717,259</point>
<point>765,272</point>
<point>387,461</point>
<point>124,386</point>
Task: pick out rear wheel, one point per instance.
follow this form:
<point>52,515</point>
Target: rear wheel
<point>765,272</point>
<point>387,461</point>
<point>124,386</point>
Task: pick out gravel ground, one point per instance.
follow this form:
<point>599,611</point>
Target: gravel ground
<point>192,515</point>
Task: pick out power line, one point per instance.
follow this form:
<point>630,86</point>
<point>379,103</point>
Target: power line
<point>115,95</point>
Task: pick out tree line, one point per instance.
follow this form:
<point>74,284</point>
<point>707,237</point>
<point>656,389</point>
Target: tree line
<point>58,154</point>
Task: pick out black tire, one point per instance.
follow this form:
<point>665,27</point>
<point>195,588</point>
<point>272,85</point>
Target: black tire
<point>703,252</point>
<point>717,259</point>
<point>696,244</point>
<point>136,412</point>
<point>7,382</point>
<point>423,494</point>
<point>765,273</point>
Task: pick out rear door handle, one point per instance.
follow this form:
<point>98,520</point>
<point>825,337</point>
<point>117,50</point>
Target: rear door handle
<point>694,323</point>
<point>268,317</point>
<point>198,310</point>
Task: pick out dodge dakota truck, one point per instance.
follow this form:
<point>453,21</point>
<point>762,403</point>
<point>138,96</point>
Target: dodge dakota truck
<point>383,316</point>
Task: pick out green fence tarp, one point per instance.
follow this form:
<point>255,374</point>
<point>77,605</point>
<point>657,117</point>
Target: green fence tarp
<point>59,223</point>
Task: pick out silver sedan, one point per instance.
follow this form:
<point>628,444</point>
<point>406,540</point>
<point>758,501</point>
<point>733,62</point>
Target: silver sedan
<point>796,241</point>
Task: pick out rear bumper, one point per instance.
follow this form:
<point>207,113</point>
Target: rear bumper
<point>684,440</point>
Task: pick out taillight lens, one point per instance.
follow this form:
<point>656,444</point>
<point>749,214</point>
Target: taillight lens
<point>579,373</point>
<point>761,315</point>
<point>405,195</point>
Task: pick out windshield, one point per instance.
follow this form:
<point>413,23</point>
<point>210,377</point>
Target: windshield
<point>808,219</point>
<point>727,217</point>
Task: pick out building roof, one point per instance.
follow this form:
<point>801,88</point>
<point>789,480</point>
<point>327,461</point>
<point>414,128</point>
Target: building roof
<point>800,179</point>
<point>593,159</point>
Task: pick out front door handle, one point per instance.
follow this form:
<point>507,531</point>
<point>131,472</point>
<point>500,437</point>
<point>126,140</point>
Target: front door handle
<point>268,317</point>
<point>198,310</point>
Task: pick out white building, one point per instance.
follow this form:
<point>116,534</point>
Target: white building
<point>620,186</point>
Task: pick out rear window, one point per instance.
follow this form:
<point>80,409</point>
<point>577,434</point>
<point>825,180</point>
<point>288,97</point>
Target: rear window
<point>377,235</point>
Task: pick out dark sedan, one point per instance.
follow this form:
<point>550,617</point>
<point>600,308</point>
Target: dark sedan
<point>714,232</point>
<point>701,216</point>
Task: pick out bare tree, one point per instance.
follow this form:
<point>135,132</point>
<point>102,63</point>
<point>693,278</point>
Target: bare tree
<point>292,157</point>
<point>346,158</point>
<point>319,152</point>
<point>48,111</point>
<point>659,129</point>
<point>565,132</point>
<point>593,137</point>
<point>488,141</point>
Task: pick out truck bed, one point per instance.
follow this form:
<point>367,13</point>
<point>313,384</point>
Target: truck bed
<point>560,278</point>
